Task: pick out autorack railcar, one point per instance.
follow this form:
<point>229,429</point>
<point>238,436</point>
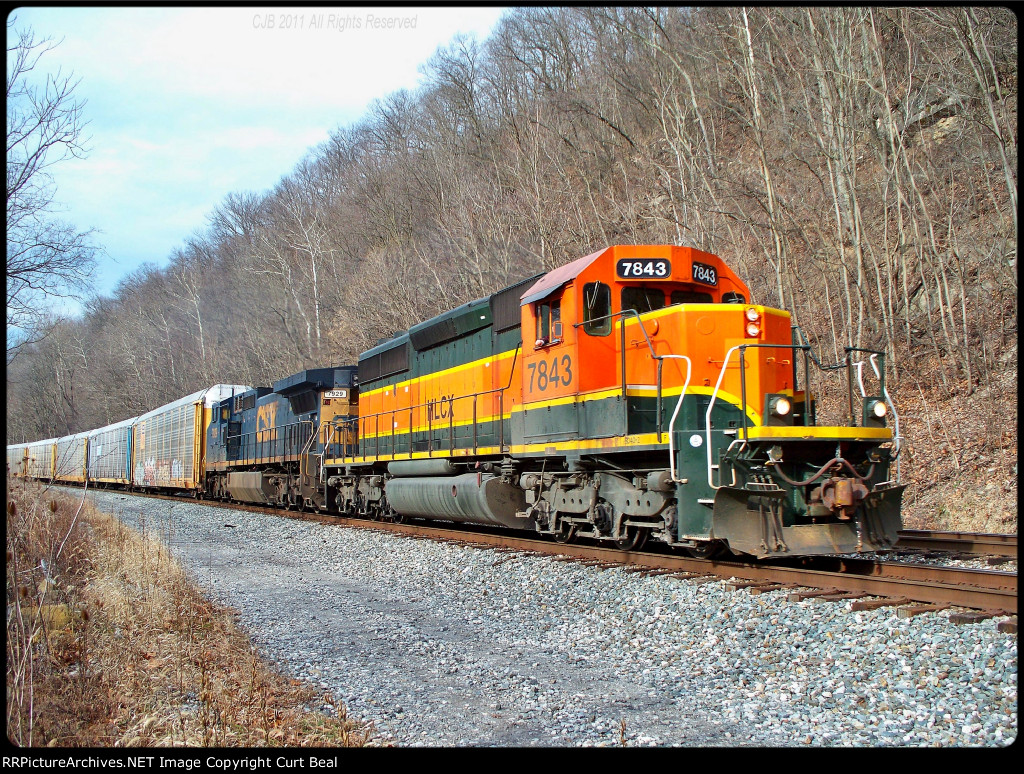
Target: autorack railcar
<point>69,458</point>
<point>16,454</point>
<point>39,457</point>
<point>168,443</point>
<point>110,453</point>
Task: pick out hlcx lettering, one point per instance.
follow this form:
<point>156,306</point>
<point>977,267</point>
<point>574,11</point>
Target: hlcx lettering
<point>441,408</point>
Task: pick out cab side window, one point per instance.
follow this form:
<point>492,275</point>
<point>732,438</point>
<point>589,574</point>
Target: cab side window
<point>549,318</point>
<point>597,309</point>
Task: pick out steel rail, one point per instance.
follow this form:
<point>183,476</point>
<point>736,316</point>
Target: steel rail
<point>966,542</point>
<point>974,589</point>
<point>930,584</point>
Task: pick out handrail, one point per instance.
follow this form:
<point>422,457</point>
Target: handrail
<point>391,413</point>
<point>860,367</point>
<point>672,421</point>
<point>500,391</point>
<point>897,439</point>
<point>659,359</point>
<point>312,437</point>
<point>707,415</point>
<point>873,358</point>
<point>617,314</point>
<point>743,393</point>
<point>249,443</point>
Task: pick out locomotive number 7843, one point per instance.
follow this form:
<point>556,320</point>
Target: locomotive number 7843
<point>545,375</point>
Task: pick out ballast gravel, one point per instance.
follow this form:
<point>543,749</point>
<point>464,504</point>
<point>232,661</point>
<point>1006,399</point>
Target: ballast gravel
<point>445,645</point>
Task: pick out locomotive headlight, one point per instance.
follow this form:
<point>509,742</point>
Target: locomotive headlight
<point>778,410</point>
<point>753,327</point>
<point>875,411</point>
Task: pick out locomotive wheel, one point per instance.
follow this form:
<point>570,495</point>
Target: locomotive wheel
<point>707,550</point>
<point>566,532</point>
<point>634,539</point>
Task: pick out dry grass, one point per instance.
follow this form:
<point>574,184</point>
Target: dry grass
<point>110,645</point>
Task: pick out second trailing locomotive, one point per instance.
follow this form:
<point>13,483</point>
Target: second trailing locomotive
<point>634,394</point>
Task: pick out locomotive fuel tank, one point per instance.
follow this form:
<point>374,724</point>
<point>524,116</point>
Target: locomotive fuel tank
<point>473,498</point>
<point>254,487</point>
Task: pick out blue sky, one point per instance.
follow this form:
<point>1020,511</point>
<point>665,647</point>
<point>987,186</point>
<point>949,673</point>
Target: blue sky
<point>187,105</point>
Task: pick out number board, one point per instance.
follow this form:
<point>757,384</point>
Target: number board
<point>704,274</point>
<point>643,268</point>
<point>336,394</point>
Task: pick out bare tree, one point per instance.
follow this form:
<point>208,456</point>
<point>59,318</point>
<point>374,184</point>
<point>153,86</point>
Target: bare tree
<point>46,257</point>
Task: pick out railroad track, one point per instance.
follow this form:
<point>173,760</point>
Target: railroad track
<point>966,543</point>
<point>866,583</point>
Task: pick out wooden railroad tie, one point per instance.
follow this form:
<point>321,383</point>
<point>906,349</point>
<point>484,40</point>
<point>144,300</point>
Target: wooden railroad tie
<point>824,595</point>
<point>755,586</point>
<point>1008,627</point>
<point>910,612</point>
<point>875,604</point>
<point>771,587</point>
<point>975,616</point>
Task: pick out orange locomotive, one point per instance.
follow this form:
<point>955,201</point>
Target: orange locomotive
<point>633,394</point>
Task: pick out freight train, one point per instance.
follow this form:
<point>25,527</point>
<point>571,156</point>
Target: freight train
<point>635,394</point>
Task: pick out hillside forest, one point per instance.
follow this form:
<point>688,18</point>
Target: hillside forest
<point>856,166</point>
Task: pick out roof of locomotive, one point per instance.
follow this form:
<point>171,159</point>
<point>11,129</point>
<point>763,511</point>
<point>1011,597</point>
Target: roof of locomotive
<point>555,278</point>
<point>316,379</point>
<point>606,258</point>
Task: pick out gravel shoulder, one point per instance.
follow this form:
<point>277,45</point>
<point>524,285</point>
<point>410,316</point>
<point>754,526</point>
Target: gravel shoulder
<point>442,645</point>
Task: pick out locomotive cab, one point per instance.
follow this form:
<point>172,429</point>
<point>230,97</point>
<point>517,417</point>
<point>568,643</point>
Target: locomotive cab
<point>600,323</point>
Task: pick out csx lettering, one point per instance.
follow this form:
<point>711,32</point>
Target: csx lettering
<point>549,375</point>
<point>266,417</point>
<point>441,408</point>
